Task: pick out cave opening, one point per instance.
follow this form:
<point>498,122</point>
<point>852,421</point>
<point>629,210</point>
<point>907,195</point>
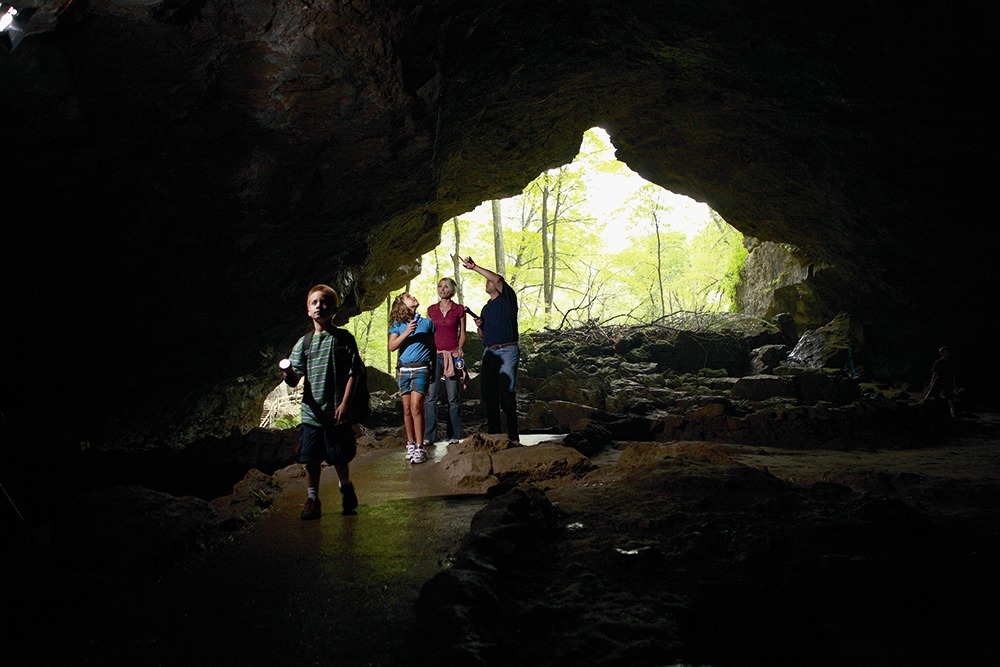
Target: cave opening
<point>588,242</point>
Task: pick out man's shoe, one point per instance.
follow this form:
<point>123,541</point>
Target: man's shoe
<point>311,510</point>
<point>350,498</point>
<point>419,455</point>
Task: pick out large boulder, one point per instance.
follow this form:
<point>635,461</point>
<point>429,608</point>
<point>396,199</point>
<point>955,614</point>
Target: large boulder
<point>482,462</point>
<point>824,384</point>
<point>762,387</point>
<point>268,449</point>
<point>558,415</point>
<point>766,358</point>
<point>591,439</point>
<point>833,345</point>
<point>379,380</point>
<point>468,469</point>
<point>544,462</point>
<point>575,386</point>
<point>696,350</point>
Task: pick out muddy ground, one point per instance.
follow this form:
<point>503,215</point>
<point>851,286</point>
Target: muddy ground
<point>711,554</point>
<point>673,553</point>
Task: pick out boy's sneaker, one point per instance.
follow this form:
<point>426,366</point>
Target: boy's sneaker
<point>419,455</point>
<point>311,510</point>
<point>410,448</point>
<point>350,498</point>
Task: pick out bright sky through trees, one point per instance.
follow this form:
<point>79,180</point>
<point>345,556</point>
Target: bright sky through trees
<point>588,241</point>
<point>608,191</point>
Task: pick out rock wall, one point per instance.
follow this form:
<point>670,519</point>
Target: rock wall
<point>176,175</point>
<point>774,280</point>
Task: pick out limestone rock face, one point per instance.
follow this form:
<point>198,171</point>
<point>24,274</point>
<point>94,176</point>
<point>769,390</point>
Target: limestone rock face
<point>775,280</point>
<point>829,346</point>
<point>176,175</point>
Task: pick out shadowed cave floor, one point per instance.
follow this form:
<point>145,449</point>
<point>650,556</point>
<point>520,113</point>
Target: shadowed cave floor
<point>699,553</point>
<point>679,553</point>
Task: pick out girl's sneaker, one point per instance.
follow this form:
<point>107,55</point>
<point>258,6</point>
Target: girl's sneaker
<point>419,455</point>
<point>410,448</point>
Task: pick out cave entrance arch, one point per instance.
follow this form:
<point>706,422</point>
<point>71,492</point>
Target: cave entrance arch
<point>592,240</point>
<point>586,241</point>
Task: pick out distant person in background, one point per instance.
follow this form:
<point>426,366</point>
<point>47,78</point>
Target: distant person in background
<point>449,338</point>
<point>943,379</point>
<point>413,336</point>
<point>497,326</point>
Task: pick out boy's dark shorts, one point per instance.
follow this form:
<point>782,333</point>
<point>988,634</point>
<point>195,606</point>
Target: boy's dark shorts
<point>946,388</point>
<point>334,444</point>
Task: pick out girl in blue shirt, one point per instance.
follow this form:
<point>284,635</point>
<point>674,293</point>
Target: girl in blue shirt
<point>413,336</point>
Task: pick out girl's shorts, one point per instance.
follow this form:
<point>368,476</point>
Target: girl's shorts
<point>413,379</point>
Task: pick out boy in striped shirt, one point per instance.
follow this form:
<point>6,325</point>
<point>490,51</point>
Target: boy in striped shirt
<point>331,364</point>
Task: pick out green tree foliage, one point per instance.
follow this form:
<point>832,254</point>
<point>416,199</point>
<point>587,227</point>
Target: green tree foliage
<point>660,254</point>
<point>572,258</point>
<point>717,255</point>
<point>555,239</point>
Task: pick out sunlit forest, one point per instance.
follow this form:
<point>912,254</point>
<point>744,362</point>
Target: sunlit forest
<point>590,241</point>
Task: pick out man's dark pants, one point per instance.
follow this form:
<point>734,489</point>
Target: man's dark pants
<point>499,377</point>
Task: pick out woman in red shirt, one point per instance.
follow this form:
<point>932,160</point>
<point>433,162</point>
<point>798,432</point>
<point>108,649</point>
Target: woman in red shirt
<point>449,336</point>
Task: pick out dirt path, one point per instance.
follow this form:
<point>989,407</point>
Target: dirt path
<point>339,590</point>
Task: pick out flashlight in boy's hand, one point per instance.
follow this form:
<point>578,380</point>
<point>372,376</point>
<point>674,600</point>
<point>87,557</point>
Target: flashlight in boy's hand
<point>285,364</point>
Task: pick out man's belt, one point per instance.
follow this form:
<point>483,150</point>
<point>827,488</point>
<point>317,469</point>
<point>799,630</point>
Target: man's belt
<point>497,347</point>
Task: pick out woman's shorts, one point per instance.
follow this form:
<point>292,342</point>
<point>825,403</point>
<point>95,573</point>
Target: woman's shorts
<point>334,444</point>
<point>413,379</point>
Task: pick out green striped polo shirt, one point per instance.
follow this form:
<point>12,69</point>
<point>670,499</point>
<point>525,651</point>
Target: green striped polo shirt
<point>333,358</point>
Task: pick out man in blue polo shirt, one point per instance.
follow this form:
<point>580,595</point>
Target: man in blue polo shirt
<point>497,326</point>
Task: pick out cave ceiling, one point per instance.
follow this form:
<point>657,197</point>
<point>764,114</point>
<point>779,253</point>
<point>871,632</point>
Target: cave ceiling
<point>177,174</point>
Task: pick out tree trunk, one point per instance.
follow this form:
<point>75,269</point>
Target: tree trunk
<point>527,216</point>
<point>501,264</point>
<point>546,257</point>
<point>553,225</point>
<point>368,329</point>
<point>457,261</point>
<point>388,353</point>
<point>659,265</point>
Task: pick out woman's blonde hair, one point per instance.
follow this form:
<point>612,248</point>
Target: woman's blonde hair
<point>452,283</point>
<point>400,312</point>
